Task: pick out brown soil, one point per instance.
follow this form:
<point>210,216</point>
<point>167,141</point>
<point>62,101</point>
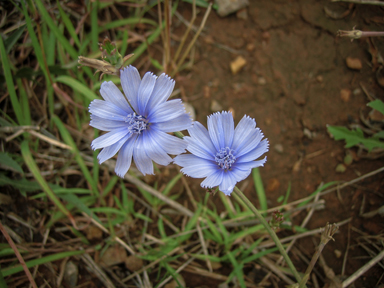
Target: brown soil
<point>291,84</point>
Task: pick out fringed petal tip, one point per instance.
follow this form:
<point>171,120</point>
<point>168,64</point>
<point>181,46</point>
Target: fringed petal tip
<point>217,114</point>
<point>227,192</point>
<point>167,77</point>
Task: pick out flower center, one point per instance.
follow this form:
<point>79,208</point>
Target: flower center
<point>136,123</point>
<point>225,158</point>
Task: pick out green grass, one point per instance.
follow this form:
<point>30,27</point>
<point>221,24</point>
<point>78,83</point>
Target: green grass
<point>66,191</point>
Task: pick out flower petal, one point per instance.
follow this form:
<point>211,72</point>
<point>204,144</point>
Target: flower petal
<point>200,134</point>
<point>251,164</point>
<point>255,153</point>
<point>109,138</point>
<point>161,92</point>
<point>124,159</point>
<point>243,131</point>
<point>154,150</point>
<point>105,124</point>
<point>142,161</point>
<point>110,151</point>
<point>166,111</point>
<point>228,128</point>
<point>213,180</point>
<point>220,128</point>
<point>145,90</point>
<point>201,151</point>
<point>228,183</point>
<point>195,167</point>
<point>180,123</point>
<point>130,81</point>
<point>111,93</point>
<point>107,110</point>
<point>250,143</point>
<point>170,144</point>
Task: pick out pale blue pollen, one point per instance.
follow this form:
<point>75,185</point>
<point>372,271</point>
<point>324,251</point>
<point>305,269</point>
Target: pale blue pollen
<point>136,123</point>
<point>225,158</point>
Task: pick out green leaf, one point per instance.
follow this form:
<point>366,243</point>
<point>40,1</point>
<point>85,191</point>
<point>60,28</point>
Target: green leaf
<point>260,189</point>
<point>379,135</point>
<point>354,137</point>
<point>10,85</point>
<point>40,261</point>
<point>12,39</point>
<point>21,184</point>
<point>77,86</point>
<point>54,27</point>
<point>377,105</point>
<point>8,163</point>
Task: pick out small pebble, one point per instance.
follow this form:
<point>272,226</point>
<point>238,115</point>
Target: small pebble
<point>345,95</point>
<point>356,91</point>
<point>215,106</point>
<point>94,233</point>
<point>133,263</point>
<point>338,253</point>
<point>242,14</point>
<point>71,274</point>
<point>227,7</point>
<point>237,64</point>
<point>348,159</point>
<point>261,81</point>
<point>113,255</point>
<point>250,47</point>
<point>320,79</point>
<point>340,168</point>
<point>279,148</point>
<point>354,63</point>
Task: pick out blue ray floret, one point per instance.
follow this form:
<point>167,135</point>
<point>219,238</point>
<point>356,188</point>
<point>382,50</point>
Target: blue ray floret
<point>138,127</point>
<point>222,154</point>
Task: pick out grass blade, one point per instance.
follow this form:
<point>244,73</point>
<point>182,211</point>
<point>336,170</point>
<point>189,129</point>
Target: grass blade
<point>259,189</point>
<point>10,85</point>
<point>40,261</point>
<point>77,86</point>
<point>68,24</point>
<point>53,26</point>
<point>80,161</point>
<point>39,178</point>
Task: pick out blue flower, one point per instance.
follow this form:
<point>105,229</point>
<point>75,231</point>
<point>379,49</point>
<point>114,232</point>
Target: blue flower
<point>138,127</point>
<point>223,154</point>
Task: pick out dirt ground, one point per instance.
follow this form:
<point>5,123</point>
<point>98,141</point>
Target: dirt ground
<point>291,84</point>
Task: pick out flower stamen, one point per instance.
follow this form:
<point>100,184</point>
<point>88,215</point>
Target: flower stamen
<point>225,158</point>
<point>136,123</point>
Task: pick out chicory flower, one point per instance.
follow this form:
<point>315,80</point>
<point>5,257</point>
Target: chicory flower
<point>222,154</point>
<point>138,122</point>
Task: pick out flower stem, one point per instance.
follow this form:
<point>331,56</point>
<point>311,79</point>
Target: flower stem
<point>327,234</point>
<point>270,232</point>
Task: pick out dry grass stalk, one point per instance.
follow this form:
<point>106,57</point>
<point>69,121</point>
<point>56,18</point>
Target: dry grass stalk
<point>18,255</point>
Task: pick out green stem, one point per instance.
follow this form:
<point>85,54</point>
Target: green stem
<point>270,232</point>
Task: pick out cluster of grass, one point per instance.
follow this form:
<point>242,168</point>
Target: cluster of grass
<point>62,190</point>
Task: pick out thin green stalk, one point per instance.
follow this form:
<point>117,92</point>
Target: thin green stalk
<point>2,281</point>
<point>10,84</point>
<point>44,185</point>
<point>260,189</point>
<point>270,232</point>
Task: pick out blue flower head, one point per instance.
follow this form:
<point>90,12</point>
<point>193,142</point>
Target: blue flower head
<point>223,154</point>
<point>138,123</point>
